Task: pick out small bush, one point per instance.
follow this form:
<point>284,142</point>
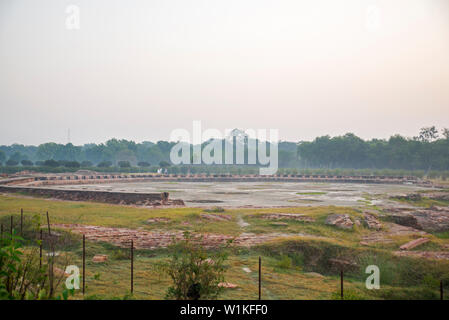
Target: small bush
<point>26,163</point>
<point>120,254</point>
<point>297,259</point>
<point>124,164</point>
<point>72,164</point>
<point>51,163</point>
<point>194,271</point>
<point>12,163</point>
<point>86,164</point>
<point>284,263</point>
<point>104,164</point>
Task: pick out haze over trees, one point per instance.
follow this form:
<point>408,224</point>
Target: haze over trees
<point>425,152</point>
<point>429,150</point>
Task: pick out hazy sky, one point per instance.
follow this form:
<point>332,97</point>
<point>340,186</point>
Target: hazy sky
<point>139,69</point>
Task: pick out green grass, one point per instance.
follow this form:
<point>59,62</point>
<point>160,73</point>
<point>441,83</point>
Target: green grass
<point>442,235</point>
<point>424,202</point>
<point>288,264</point>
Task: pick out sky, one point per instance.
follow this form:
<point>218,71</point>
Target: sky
<point>138,70</point>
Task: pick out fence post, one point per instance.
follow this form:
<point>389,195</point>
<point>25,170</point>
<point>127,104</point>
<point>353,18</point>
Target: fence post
<point>21,221</point>
<point>441,290</point>
<point>260,277</point>
<point>132,266</point>
<point>50,274</point>
<point>48,224</point>
<point>84,263</point>
<point>40,250</point>
<point>12,226</point>
<point>341,284</point>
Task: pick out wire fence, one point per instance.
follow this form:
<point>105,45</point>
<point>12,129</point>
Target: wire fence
<point>48,239</point>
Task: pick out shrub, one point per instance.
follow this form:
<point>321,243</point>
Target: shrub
<point>195,272</point>
<point>12,163</point>
<point>51,163</point>
<point>21,276</point>
<point>104,164</point>
<point>164,164</point>
<point>144,164</point>
<point>26,163</point>
<point>284,263</point>
<point>86,164</point>
<point>124,164</point>
<point>72,164</point>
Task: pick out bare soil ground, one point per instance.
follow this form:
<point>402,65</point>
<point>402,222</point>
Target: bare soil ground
<point>161,239</point>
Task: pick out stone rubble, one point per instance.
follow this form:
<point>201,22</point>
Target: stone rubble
<point>414,243</point>
<point>161,239</point>
<point>372,222</point>
<point>59,272</point>
<point>340,220</point>
<point>433,219</point>
<point>227,285</point>
<point>436,255</point>
<point>390,230</point>
<point>100,258</point>
<point>442,195</point>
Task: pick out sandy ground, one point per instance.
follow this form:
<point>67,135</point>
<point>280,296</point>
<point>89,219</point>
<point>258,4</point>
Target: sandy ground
<point>261,194</point>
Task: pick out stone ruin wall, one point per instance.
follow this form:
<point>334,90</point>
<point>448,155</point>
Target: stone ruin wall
<point>48,180</point>
<point>125,198</point>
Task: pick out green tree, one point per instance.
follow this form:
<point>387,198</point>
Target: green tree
<point>51,163</point>
<point>17,156</point>
<point>47,151</point>
<point>26,163</point>
<point>428,134</point>
<point>124,164</point>
<point>104,164</point>
<point>444,132</point>
<point>86,164</point>
<point>12,163</point>
<point>164,164</point>
<point>2,156</point>
<point>72,164</point>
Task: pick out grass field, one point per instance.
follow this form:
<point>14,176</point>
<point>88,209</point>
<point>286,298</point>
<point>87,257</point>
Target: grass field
<point>293,267</point>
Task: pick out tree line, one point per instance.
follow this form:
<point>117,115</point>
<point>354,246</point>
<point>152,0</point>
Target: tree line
<point>429,150</point>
